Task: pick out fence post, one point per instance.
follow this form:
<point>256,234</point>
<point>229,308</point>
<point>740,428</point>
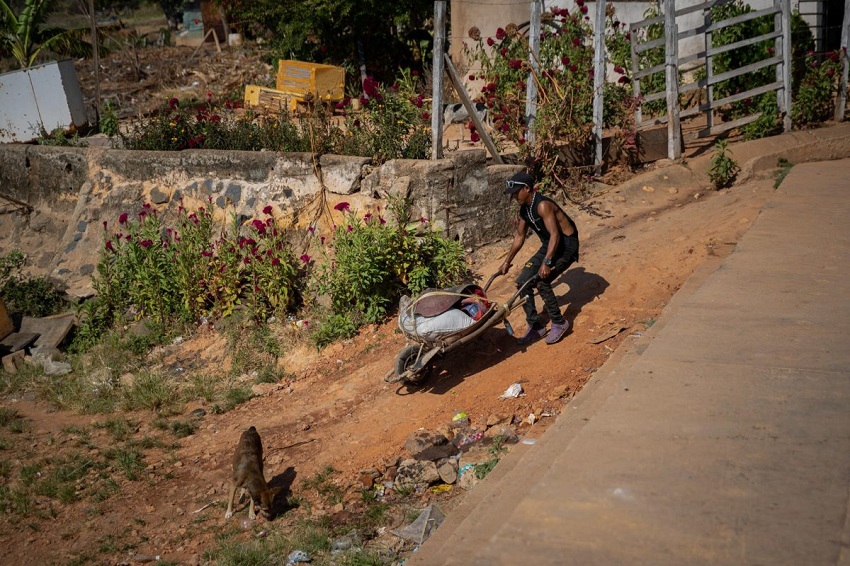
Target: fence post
<point>786,65</point>
<point>671,60</point>
<point>842,93</point>
<point>437,80</point>
<point>531,84</point>
<point>709,68</point>
<point>598,79</point>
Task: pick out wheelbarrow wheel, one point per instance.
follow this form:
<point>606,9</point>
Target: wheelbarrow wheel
<point>405,361</point>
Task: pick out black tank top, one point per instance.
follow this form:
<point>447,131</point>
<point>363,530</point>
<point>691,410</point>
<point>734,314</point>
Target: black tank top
<point>535,221</point>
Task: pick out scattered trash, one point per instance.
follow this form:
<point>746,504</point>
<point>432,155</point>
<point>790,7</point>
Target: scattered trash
<point>50,367</point>
<point>512,392</point>
<point>531,419</point>
<point>466,468</point>
<point>341,544</point>
<point>419,530</point>
<point>460,419</point>
<point>297,556</point>
<point>178,340</point>
<point>529,441</point>
<point>442,488</point>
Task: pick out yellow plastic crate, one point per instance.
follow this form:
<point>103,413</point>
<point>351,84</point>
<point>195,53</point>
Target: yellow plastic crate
<point>320,82</point>
<point>269,99</point>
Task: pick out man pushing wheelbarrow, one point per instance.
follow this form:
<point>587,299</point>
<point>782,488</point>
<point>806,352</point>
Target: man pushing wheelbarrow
<point>558,250</point>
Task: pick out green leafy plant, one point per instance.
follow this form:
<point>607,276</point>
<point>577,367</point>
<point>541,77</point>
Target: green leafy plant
<point>391,124</point>
<point>368,264</point>
<point>109,120</point>
<point>496,450</point>
<point>784,168</point>
<point>183,273</point>
<point>815,99</point>
<point>723,169</point>
<point>26,36</point>
<point>27,296</point>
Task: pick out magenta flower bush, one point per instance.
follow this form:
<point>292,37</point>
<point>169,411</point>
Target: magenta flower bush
<point>190,270</point>
<point>565,85</point>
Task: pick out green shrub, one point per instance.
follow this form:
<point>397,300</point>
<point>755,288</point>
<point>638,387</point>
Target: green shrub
<point>369,264</point>
<point>183,273</point>
<point>27,296</point>
<point>109,119</point>
<point>723,168</point>
<point>815,100</point>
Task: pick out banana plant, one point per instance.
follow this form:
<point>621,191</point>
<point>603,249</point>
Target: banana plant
<point>24,35</point>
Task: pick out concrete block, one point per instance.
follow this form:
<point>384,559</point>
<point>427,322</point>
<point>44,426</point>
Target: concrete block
<point>45,97</point>
<point>13,362</point>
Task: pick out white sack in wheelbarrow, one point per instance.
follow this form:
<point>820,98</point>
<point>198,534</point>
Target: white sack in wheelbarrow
<point>430,328</point>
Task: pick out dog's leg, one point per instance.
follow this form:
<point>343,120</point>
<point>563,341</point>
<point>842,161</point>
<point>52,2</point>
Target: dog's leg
<point>229,512</point>
<point>251,514</point>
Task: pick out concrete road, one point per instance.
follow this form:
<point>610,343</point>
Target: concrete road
<point>721,437</point>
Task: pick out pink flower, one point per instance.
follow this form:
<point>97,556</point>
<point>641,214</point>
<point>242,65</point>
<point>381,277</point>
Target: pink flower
<point>259,225</point>
<point>146,243</point>
<point>109,245</point>
<point>322,240</point>
<point>246,260</point>
<point>305,258</point>
<point>423,220</point>
<point>474,137</point>
<point>619,69</point>
<point>426,116</point>
<point>349,228</point>
<point>276,261</point>
<point>381,218</point>
<point>472,77</point>
<point>311,230</point>
<point>367,217</point>
<point>576,41</point>
<point>584,9</point>
<point>565,61</point>
<point>206,253</point>
<point>490,42</point>
<point>342,206</point>
<point>104,224</point>
<point>500,34</point>
<point>267,210</point>
<point>172,103</point>
<point>122,219</point>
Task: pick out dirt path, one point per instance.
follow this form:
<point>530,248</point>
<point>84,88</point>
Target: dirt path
<point>339,412</point>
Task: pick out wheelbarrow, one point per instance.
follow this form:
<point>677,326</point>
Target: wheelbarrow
<point>413,361</point>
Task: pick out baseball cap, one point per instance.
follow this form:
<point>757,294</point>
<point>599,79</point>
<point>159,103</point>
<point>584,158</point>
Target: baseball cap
<point>519,181</point>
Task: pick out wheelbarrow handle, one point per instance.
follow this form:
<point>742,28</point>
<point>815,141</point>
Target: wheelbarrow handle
<point>489,281</point>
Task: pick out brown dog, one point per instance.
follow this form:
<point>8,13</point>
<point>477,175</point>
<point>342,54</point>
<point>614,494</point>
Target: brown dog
<point>248,475</point>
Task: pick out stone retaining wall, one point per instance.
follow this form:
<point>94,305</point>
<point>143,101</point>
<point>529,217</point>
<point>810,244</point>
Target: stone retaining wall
<point>70,192</point>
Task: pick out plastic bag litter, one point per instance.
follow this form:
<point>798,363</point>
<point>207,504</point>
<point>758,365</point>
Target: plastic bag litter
<point>297,556</point>
<point>419,530</point>
<point>512,392</point>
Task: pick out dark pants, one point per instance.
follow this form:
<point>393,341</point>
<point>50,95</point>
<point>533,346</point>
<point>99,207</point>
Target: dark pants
<point>566,254</point>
